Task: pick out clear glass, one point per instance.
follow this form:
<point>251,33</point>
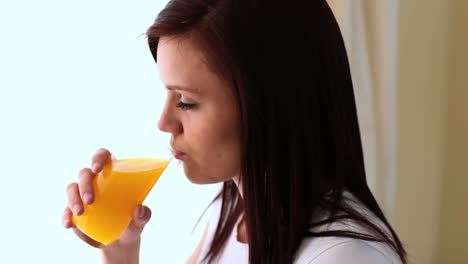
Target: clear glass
<point>119,188</point>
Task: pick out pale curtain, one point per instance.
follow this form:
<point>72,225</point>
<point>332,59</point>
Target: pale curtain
<point>370,29</point>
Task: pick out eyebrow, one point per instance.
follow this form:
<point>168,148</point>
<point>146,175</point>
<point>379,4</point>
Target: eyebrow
<point>176,87</point>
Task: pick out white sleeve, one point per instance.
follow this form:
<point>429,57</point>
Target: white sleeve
<point>351,252</point>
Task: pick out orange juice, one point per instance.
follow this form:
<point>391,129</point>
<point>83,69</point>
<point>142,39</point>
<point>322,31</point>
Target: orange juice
<point>119,188</point>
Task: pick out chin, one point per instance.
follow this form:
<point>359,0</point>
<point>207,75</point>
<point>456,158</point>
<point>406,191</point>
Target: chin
<point>197,181</point>
<point>197,177</point>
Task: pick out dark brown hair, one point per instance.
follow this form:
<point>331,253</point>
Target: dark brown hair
<point>301,146</point>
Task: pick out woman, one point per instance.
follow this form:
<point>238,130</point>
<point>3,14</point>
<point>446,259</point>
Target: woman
<point>260,97</point>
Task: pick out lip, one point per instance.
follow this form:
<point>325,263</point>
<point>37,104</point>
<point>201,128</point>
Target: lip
<point>178,154</point>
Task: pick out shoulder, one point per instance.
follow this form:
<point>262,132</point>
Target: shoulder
<point>333,250</point>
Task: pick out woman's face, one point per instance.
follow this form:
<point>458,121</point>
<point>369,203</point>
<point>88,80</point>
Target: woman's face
<point>200,112</point>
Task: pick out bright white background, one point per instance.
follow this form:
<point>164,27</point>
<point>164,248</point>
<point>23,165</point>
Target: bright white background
<point>76,76</point>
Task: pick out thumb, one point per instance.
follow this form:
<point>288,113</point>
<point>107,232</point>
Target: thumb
<point>141,216</point>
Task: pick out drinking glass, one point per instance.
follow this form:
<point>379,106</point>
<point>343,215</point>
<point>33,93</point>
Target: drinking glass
<point>119,188</point>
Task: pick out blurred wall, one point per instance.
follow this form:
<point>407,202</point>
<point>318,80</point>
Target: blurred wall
<point>422,118</point>
<point>431,199</point>
<point>338,9</point>
<point>452,242</point>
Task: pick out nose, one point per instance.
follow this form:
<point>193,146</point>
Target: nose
<point>169,122</point>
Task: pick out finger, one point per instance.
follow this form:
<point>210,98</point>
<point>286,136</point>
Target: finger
<point>66,219</point>
<point>85,185</point>
<point>99,159</point>
<point>74,200</point>
<point>141,216</point>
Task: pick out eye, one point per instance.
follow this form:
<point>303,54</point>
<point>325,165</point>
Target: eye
<point>185,106</point>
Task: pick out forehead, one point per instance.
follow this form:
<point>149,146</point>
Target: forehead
<point>180,62</point>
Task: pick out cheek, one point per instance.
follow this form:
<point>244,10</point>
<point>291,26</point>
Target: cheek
<point>222,138</point>
<point>216,146</point>
<point>226,149</point>
<point>213,131</point>
<point>214,142</point>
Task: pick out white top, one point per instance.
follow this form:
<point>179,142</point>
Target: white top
<point>319,250</point>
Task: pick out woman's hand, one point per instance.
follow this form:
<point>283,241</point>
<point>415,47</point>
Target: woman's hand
<point>82,192</point>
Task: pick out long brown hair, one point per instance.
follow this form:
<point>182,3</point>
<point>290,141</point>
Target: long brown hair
<point>301,146</point>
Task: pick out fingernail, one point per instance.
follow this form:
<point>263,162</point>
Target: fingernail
<point>87,197</point>
<point>66,223</point>
<point>142,212</point>
<point>95,168</point>
<point>76,209</point>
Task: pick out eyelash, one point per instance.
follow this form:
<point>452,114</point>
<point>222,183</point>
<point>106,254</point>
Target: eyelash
<point>185,106</point>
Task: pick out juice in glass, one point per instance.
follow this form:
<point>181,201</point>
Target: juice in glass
<point>119,188</point>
